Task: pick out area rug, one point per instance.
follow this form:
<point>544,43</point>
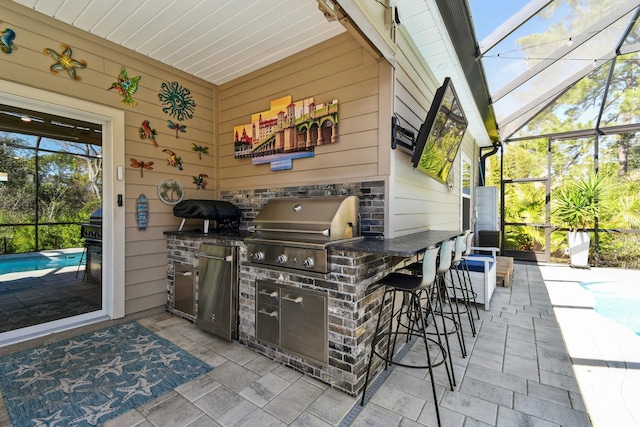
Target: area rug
<point>89,379</point>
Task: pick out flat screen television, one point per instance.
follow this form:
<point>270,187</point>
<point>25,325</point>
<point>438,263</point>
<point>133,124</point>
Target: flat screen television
<point>440,135</point>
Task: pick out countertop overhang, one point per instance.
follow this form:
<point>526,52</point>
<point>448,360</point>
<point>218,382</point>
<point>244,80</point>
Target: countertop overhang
<point>402,246</point>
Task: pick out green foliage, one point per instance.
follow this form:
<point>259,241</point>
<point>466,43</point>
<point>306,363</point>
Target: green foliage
<point>64,188</point>
<point>577,203</point>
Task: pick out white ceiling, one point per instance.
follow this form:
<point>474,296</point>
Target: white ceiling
<point>221,40</point>
<point>216,40</point>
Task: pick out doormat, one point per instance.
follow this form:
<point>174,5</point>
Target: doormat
<point>89,379</point>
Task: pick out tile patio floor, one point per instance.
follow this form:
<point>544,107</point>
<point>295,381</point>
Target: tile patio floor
<point>542,357</point>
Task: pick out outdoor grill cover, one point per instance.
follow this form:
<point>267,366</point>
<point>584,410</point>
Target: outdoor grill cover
<point>217,210</point>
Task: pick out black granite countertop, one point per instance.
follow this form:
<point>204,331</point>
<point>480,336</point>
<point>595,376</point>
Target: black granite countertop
<point>405,246</point>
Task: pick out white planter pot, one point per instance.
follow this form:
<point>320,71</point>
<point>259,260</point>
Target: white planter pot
<point>579,248</point>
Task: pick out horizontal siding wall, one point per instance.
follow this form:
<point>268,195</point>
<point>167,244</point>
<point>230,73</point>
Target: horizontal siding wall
<point>146,262</point>
<point>337,69</point>
<point>419,202</point>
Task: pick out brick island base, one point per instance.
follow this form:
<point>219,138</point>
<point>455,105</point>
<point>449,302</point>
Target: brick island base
<point>352,304</point>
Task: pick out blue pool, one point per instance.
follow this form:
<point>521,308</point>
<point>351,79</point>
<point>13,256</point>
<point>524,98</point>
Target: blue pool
<point>40,260</point>
<point>619,301</point>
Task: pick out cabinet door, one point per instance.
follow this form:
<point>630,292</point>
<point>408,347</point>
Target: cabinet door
<point>304,323</point>
<point>184,288</point>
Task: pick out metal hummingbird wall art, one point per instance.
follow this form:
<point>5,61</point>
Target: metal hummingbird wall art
<point>126,87</point>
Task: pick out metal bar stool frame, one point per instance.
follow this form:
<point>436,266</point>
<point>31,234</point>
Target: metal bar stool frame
<point>412,318</point>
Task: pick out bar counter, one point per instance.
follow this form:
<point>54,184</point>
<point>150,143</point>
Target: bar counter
<point>402,246</point>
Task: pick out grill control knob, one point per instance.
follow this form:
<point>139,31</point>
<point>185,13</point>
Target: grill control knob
<point>282,258</point>
<point>258,256</point>
<point>308,262</point>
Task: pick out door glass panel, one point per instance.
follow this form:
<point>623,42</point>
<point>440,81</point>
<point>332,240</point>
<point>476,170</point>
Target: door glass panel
<point>525,214</point>
<point>50,185</point>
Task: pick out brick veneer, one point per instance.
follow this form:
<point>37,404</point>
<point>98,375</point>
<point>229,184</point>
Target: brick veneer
<point>352,302</point>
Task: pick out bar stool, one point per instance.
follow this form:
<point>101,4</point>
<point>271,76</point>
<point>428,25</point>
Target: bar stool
<point>445,300</point>
<point>410,321</point>
<point>441,299</point>
<point>471,294</point>
<point>462,292</point>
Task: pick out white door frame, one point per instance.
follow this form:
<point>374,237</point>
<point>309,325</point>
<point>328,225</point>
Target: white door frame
<point>113,216</point>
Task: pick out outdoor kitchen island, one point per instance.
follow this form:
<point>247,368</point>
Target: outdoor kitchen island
<point>350,300</point>
<point>347,295</point>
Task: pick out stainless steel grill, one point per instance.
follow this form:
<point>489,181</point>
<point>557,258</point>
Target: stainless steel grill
<point>92,229</point>
<point>296,232</point>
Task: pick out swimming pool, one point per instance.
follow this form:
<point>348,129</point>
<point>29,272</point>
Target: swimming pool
<point>619,301</point>
<point>40,260</point>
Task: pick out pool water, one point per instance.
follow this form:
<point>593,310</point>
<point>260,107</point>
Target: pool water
<point>39,261</point>
<point>619,301</point>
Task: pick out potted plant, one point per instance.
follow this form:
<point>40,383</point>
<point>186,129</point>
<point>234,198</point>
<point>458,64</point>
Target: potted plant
<point>576,206</point>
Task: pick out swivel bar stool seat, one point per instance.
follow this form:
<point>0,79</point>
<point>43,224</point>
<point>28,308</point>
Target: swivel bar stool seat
<point>410,321</point>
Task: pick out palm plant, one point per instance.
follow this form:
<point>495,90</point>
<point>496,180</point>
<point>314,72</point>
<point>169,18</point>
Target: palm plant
<point>576,204</point>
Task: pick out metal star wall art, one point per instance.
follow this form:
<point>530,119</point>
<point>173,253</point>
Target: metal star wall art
<point>126,87</point>
<point>64,61</point>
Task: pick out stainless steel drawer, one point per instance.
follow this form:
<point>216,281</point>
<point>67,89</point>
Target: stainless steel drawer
<point>268,293</point>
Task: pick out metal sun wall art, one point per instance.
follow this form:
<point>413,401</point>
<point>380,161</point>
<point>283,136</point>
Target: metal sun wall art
<point>177,127</point>
<point>64,61</point>
<point>176,101</point>
<point>200,149</point>
<point>126,87</point>
<point>147,133</point>
<point>6,40</point>
<point>142,165</point>
<point>199,181</point>
<point>287,131</point>
<point>173,159</point>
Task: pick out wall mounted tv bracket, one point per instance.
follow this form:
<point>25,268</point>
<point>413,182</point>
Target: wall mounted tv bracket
<point>401,137</point>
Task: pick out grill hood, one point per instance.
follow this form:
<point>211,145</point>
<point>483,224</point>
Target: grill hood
<point>319,219</point>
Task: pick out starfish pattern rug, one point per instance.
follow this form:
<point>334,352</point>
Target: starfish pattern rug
<point>89,379</point>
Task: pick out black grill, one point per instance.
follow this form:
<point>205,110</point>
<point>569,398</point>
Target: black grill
<point>92,230</point>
